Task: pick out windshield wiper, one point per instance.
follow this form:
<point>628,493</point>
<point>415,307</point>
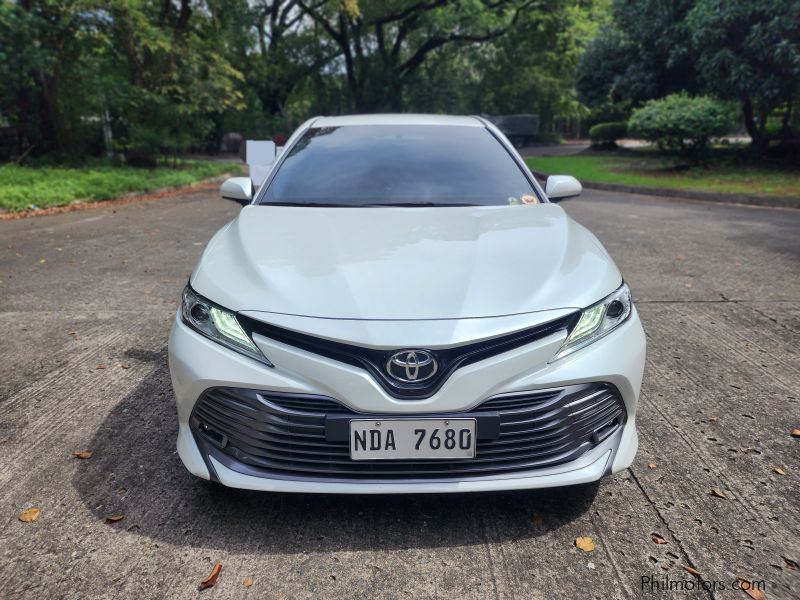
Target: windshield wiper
<point>418,204</point>
<point>312,204</point>
<point>370,205</point>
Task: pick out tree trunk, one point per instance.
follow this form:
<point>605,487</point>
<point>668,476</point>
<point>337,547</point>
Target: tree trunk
<point>786,124</point>
<point>50,114</point>
<point>756,134</point>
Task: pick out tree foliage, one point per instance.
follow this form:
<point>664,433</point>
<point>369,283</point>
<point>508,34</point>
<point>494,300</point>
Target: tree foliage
<point>143,68</point>
<point>641,54</point>
<point>161,76</point>
<point>157,77</point>
<point>748,51</point>
<point>383,44</point>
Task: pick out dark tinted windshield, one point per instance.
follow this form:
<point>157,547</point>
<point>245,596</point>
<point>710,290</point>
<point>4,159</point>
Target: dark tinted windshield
<point>362,165</point>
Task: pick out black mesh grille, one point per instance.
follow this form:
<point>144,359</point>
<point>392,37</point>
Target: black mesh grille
<point>284,434</point>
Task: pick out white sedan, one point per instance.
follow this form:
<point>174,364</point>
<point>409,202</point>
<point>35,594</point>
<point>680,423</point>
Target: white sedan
<point>401,308</point>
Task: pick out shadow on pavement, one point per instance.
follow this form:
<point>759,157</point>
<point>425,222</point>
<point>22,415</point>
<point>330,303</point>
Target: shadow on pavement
<point>135,471</point>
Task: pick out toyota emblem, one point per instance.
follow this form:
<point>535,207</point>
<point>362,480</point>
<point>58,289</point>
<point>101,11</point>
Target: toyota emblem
<point>411,366</point>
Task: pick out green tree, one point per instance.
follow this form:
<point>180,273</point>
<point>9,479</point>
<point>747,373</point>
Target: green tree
<point>383,44</point>
<point>277,45</point>
<point>531,69</point>
<point>164,76</point>
<point>43,45</point>
<point>164,79</point>
<point>749,50</point>
<point>644,53</point>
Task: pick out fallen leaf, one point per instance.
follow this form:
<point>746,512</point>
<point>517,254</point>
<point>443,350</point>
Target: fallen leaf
<point>751,591</point>
<point>100,367</point>
<point>83,454</point>
<point>247,582</point>
<point>694,572</point>
<point>536,519</point>
<point>796,432</point>
<point>211,580</point>
<point>651,465</point>
<point>584,543</point>
<point>713,419</point>
<point>717,493</point>
<point>114,519</point>
<point>124,366</point>
<point>29,515</point>
<point>779,471</point>
<point>658,539</point>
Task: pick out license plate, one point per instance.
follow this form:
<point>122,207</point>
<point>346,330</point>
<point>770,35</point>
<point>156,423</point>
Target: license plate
<point>372,439</point>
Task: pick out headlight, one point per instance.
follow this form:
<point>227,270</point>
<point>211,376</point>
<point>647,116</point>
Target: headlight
<point>597,321</point>
<point>218,324</point>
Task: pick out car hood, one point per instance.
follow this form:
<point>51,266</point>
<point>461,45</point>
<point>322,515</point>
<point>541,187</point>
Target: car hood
<point>404,263</point>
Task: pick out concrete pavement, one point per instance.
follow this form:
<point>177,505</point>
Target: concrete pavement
<point>86,302</point>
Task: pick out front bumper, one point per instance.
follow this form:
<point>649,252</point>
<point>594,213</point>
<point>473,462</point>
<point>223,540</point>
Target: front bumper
<point>197,365</point>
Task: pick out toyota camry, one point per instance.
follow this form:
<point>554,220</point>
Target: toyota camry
<point>400,307</point>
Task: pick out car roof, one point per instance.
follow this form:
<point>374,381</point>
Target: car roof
<point>397,119</point>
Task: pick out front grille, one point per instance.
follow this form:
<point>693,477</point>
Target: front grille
<point>272,434</point>
<point>374,361</point>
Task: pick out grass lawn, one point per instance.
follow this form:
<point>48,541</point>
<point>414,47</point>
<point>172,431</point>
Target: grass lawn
<point>649,170</point>
<point>21,187</point>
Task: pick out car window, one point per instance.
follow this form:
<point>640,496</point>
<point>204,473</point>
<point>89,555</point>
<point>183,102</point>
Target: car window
<point>366,165</point>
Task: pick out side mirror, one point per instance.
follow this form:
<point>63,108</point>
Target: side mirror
<point>560,187</point>
<point>238,189</point>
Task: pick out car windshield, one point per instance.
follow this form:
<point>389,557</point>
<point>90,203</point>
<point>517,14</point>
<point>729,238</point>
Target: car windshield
<point>399,165</point>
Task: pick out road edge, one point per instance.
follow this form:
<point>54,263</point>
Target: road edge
<point>130,198</point>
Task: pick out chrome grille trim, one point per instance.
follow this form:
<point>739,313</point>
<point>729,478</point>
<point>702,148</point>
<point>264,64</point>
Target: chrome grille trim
<point>374,360</point>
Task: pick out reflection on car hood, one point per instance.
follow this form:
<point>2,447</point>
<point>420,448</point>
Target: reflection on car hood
<point>404,263</point>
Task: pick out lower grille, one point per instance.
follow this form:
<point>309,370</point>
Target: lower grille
<point>276,434</point>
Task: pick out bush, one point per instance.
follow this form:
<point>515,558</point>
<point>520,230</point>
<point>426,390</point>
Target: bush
<point>681,123</point>
<point>607,134</point>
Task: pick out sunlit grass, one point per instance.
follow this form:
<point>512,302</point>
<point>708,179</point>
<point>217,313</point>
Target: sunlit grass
<point>25,187</point>
<point>648,170</point>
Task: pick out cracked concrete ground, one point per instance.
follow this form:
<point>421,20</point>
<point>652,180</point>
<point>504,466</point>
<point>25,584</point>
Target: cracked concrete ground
<point>718,288</point>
